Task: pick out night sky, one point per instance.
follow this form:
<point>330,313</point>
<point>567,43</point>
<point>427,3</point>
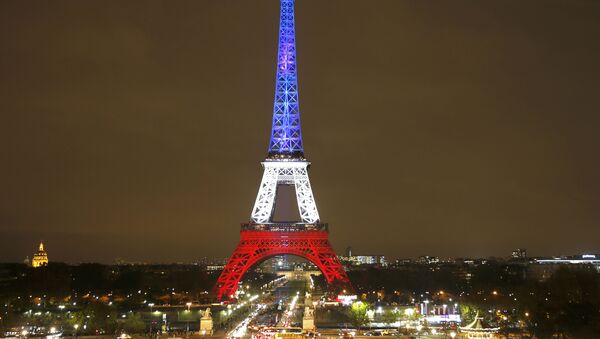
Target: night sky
<point>452,128</point>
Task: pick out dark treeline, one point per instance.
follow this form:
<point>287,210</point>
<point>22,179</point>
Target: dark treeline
<point>453,278</point>
<point>63,279</point>
<point>565,302</point>
<point>110,299</point>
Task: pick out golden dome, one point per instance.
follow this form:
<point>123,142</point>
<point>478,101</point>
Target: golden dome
<point>40,258</point>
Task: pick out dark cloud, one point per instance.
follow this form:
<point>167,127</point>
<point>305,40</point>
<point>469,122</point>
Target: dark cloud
<point>134,129</point>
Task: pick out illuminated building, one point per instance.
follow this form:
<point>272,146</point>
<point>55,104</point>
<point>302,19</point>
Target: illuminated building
<point>40,258</point>
<point>584,259</point>
<point>350,260</point>
<point>519,253</point>
<point>214,267</point>
<point>476,329</point>
<point>543,268</point>
<point>362,260</point>
<point>263,236</point>
<point>428,260</point>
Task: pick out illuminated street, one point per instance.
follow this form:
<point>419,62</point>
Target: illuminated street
<point>280,312</point>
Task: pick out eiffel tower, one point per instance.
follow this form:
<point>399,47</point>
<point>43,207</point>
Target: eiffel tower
<point>285,165</point>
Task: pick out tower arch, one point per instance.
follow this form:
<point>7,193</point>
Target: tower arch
<point>256,246</point>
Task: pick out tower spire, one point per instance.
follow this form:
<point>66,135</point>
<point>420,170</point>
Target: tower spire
<point>286,133</point>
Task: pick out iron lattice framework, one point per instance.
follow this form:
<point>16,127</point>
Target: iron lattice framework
<point>285,165</point>
<point>286,134</point>
<point>256,246</point>
<point>285,173</point>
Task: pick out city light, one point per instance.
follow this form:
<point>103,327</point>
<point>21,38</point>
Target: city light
<point>71,154</point>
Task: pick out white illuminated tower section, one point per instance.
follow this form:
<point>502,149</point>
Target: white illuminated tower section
<point>293,172</point>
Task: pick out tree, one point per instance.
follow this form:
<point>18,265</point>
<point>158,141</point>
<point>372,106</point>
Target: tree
<point>468,312</point>
<point>389,317</point>
<point>358,314</point>
<point>75,318</point>
<point>540,324</point>
<point>134,323</point>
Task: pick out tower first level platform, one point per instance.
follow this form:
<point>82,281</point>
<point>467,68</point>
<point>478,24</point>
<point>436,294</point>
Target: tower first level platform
<point>256,246</point>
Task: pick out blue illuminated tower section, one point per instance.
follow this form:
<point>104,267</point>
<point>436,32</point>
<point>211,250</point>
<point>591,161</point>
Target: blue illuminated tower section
<point>286,133</point>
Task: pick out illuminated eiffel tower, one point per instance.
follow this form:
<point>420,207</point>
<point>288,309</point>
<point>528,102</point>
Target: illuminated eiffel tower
<point>262,238</point>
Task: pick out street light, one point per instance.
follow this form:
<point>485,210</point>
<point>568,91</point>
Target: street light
<point>76,326</point>
<point>151,305</point>
<point>419,328</point>
<point>188,304</point>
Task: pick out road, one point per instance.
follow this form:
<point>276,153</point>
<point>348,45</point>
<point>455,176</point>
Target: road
<point>282,311</point>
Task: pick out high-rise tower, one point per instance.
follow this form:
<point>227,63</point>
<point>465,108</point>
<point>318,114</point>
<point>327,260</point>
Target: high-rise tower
<point>285,165</point>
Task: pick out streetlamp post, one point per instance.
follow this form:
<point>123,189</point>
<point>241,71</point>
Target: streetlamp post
<point>76,326</point>
<point>188,304</point>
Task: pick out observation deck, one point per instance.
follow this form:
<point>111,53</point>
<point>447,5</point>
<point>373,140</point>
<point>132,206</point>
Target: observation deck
<point>285,227</point>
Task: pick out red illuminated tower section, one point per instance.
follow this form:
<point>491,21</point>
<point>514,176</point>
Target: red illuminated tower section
<point>262,238</point>
<point>256,246</point>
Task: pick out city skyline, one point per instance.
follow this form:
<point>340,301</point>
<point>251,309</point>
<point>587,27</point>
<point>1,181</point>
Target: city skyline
<point>136,131</point>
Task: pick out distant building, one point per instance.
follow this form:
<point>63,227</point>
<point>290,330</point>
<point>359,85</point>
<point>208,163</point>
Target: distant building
<point>364,260</point>
<point>40,258</point>
<point>584,259</point>
<point>543,268</point>
<point>477,329</point>
<point>519,253</point>
<point>402,262</point>
<point>428,260</point>
<point>214,264</point>
<point>371,260</point>
<point>349,259</point>
<point>215,267</point>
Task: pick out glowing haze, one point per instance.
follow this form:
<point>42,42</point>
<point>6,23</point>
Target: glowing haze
<point>135,129</point>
